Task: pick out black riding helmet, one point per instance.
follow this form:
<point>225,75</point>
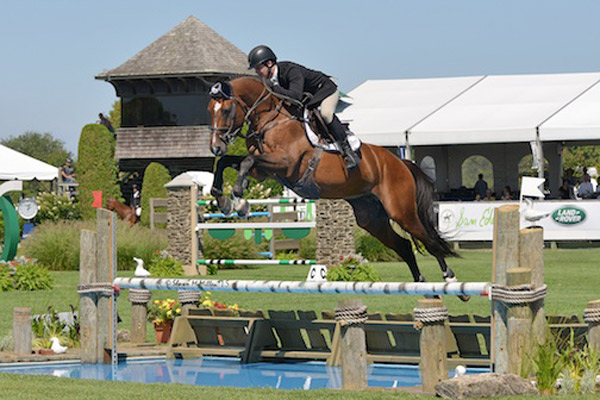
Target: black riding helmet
<point>259,55</point>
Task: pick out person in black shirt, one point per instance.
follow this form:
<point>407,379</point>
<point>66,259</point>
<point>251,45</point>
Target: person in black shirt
<point>293,80</point>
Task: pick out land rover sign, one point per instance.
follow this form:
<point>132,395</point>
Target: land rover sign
<point>568,215</point>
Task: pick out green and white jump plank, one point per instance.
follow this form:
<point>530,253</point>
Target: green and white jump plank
<point>262,201</point>
<point>222,261</point>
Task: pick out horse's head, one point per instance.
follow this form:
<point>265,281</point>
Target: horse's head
<point>111,204</point>
<point>227,115</point>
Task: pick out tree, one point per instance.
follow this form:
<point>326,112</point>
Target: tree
<point>96,168</point>
<point>577,157</point>
<point>153,185</point>
<point>43,147</point>
<point>114,115</point>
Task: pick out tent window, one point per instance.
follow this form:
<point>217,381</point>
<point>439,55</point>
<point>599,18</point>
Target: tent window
<point>428,166</point>
<point>475,165</point>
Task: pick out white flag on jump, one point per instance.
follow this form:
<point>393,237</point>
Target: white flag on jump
<point>532,187</point>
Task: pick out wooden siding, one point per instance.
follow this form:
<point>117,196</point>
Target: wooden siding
<point>163,142</point>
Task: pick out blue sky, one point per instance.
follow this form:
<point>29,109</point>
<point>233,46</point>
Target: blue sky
<point>52,50</point>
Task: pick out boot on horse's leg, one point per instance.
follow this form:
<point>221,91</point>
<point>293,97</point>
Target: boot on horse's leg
<point>223,202</point>
<point>351,158</point>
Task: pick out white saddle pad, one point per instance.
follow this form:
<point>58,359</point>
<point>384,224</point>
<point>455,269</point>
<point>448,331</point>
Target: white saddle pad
<point>313,138</point>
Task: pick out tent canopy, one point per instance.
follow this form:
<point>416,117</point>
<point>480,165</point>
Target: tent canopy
<point>18,166</point>
<point>470,110</point>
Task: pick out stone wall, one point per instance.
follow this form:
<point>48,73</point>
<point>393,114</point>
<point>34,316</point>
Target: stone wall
<point>335,231</point>
<point>179,224</point>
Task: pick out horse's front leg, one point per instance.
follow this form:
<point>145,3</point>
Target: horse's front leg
<point>224,203</point>
<point>264,164</point>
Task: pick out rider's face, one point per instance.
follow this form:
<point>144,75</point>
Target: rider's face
<point>262,69</point>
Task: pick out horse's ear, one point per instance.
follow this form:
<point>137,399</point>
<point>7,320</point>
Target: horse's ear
<point>221,90</point>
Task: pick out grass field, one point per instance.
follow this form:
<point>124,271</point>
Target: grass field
<point>571,275</point>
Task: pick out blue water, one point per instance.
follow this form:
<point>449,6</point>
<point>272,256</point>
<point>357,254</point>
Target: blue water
<point>225,372</point>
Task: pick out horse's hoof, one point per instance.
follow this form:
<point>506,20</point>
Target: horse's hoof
<point>242,206</point>
<point>225,205</point>
<point>464,297</point>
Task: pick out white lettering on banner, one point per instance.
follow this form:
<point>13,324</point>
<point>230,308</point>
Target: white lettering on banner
<point>474,221</point>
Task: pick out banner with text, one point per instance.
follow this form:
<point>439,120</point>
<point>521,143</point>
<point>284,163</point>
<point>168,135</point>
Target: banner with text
<point>565,220</point>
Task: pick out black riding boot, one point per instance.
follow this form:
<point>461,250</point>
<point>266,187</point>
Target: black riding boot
<point>351,159</point>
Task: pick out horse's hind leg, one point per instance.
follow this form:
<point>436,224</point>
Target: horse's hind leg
<point>371,216</point>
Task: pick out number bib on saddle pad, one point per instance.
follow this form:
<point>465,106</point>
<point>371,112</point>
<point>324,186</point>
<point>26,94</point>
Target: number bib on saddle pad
<point>313,138</point>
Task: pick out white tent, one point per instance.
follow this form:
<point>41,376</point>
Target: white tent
<point>501,109</point>
<point>382,111</point>
<point>18,166</point>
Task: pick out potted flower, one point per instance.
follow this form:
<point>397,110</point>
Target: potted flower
<point>162,313</point>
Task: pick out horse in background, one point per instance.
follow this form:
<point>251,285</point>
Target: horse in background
<point>126,213</point>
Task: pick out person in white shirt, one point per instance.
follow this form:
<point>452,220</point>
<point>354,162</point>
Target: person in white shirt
<point>585,189</point>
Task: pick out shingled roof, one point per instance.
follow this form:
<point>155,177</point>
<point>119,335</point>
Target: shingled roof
<point>191,48</point>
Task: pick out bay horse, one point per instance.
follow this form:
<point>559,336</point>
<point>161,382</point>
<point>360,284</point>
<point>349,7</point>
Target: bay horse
<point>382,188</point>
<point>126,213</point>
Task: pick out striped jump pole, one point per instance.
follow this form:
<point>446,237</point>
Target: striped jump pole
<point>262,201</point>
<point>257,225</point>
<point>253,214</point>
<point>220,261</point>
<point>368,288</point>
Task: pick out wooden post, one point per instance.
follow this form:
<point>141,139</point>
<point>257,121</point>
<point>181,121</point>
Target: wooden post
<point>88,301</point>
<point>594,327</point>
<point>201,269</point>
<point>107,271</point>
<point>519,324</point>
<point>353,351</point>
<point>505,255</point>
<point>22,330</point>
<point>139,299</point>
<point>433,364</point>
<point>531,246</point>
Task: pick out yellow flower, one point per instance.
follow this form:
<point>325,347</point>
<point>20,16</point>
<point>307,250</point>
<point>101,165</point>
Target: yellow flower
<point>178,310</point>
<point>156,302</point>
<point>169,314</point>
<point>207,303</point>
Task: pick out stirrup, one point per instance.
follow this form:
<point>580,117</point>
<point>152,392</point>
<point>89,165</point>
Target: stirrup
<point>351,159</point>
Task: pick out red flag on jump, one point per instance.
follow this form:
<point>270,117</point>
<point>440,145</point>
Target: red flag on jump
<point>97,198</point>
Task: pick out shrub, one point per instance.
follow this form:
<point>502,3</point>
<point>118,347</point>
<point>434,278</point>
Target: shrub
<point>55,245</point>
<point>163,265</point>
<point>6,281</point>
<point>153,185</point>
<point>29,276</point>
<point>50,325</point>
<point>54,207</point>
<point>352,269</point>
<point>308,246</point>
<point>163,311</point>
<point>372,249</point>
<point>235,247</point>
<point>96,167</point>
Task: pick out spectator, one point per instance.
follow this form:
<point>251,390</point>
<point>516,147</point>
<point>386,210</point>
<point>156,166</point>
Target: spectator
<point>489,195</point>
<point>480,187</point>
<point>565,192</point>
<point>507,194</point>
<point>104,121</point>
<point>68,172</point>
<point>585,189</point>
<point>136,201</point>
<point>570,177</point>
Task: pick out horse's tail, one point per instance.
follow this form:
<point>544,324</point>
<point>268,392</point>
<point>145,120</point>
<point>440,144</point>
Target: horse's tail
<point>426,196</point>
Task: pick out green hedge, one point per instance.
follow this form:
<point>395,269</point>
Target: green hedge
<point>55,245</point>
<point>96,167</point>
<point>153,186</point>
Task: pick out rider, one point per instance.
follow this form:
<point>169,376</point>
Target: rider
<point>292,80</point>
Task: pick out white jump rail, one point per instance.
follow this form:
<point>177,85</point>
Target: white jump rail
<point>222,261</point>
<point>257,225</point>
<point>368,288</point>
<point>262,201</point>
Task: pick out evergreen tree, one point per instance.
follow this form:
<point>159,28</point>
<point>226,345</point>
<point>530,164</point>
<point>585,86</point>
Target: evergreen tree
<point>153,186</point>
<point>43,147</point>
<point>96,167</point>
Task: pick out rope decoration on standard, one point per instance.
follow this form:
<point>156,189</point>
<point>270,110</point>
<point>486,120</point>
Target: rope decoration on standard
<point>188,296</point>
<point>430,315</point>
<point>351,315</point>
<point>139,296</point>
<point>519,294</point>
<point>591,315</point>
<point>101,288</point>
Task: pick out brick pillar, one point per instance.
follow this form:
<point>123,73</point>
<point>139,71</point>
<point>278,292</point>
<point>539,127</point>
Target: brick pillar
<point>335,231</point>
